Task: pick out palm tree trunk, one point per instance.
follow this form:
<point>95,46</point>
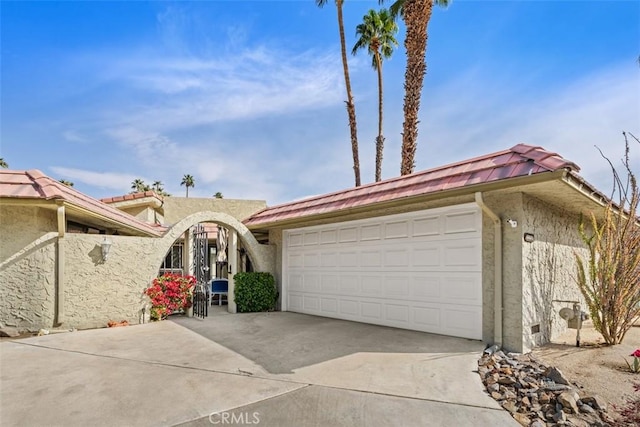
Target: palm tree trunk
<point>417,14</point>
<point>187,190</point>
<point>351,109</point>
<point>380,138</point>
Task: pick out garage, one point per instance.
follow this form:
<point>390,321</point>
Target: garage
<point>419,270</point>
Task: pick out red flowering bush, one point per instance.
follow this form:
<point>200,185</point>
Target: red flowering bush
<point>170,293</point>
<point>635,365</point>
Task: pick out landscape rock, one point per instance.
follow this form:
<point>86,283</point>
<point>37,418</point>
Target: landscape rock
<point>596,402</point>
<point>9,332</point>
<point>569,401</point>
<point>555,375</point>
<point>537,395</point>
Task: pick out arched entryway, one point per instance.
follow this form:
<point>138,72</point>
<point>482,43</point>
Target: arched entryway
<point>241,246</point>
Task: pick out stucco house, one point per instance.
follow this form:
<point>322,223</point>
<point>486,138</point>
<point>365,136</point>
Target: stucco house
<point>482,249</point>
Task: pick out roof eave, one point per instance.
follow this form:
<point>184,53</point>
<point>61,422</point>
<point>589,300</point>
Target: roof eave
<point>462,191</point>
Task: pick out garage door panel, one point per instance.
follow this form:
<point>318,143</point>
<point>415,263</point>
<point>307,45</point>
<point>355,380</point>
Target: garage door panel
<point>421,270</point>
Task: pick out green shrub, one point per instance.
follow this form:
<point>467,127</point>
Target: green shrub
<point>255,292</point>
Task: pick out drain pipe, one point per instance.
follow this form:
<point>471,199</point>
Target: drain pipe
<point>62,226</point>
<point>497,257</point>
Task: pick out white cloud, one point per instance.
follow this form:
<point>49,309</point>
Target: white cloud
<point>104,180</point>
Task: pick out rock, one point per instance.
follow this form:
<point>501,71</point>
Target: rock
<point>522,419</point>
<point>586,409</point>
<point>556,387</point>
<point>493,387</point>
<point>9,332</point>
<point>569,400</point>
<point>595,402</point>
<point>538,423</point>
<point>506,381</point>
<point>577,422</point>
<point>508,394</point>
<point>559,417</point>
<point>544,398</point>
<point>506,371</point>
<point>510,406</point>
<point>555,375</point>
<point>525,401</point>
<point>496,395</point>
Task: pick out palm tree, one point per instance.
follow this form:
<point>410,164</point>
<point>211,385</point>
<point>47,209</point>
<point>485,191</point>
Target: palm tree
<point>65,182</point>
<point>3,164</point>
<point>218,195</point>
<point>351,108</point>
<point>377,34</point>
<point>416,15</point>
<point>188,181</point>
<point>138,186</point>
<point>157,187</point>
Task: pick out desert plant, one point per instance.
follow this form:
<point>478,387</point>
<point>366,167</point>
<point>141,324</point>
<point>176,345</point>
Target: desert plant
<point>255,291</point>
<point>634,366</point>
<point>609,277</point>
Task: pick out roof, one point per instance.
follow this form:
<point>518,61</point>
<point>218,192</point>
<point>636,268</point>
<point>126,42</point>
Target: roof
<point>132,196</point>
<point>518,161</point>
<point>33,184</point>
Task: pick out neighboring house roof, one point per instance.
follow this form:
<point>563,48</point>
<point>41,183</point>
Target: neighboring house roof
<point>33,184</point>
<point>519,161</point>
<point>152,195</point>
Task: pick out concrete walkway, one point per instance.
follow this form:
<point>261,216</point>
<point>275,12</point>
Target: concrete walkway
<point>268,369</point>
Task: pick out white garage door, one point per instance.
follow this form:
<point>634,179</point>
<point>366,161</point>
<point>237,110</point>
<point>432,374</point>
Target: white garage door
<point>420,270</point>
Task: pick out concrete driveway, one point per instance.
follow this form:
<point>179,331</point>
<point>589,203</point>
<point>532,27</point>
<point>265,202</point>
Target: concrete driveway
<point>267,369</point>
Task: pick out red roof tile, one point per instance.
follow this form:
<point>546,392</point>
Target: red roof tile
<point>131,196</point>
<point>33,184</point>
<point>520,160</point>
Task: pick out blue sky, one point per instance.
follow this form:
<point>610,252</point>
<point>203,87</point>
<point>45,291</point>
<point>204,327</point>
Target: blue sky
<point>248,97</point>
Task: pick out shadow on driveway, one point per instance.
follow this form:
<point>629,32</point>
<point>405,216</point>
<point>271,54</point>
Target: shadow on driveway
<point>283,341</point>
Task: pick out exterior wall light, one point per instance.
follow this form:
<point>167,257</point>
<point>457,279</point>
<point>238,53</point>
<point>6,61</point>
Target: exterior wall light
<point>529,238</point>
<point>106,247</point>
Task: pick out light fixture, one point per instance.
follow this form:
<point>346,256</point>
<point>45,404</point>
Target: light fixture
<point>529,238</point>
<point>512,222</point>
<point>106,247</point>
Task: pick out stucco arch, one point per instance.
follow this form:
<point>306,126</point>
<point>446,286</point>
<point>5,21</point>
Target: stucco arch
<point>262,256</point>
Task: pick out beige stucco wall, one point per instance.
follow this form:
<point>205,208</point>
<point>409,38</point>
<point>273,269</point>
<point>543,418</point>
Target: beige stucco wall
<point>177,208</point>
<point>549,269</point>
<point>97,291</point>
<point>27,267</point>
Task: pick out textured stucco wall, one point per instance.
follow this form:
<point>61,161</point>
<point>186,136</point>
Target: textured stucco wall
<point>506,206</point>
<point>27,267</point>
<point>549,269</point>
<point>97,291</point>
<point>177,208</point>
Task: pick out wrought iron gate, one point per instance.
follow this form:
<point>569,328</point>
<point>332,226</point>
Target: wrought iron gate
<point>201,272</point>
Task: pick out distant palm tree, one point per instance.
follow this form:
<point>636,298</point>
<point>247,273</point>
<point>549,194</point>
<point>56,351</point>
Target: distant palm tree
<point>157,187</point>
<point>3,164</point>
<point>218,195</point>
<point>188,181</point>
<point>351,108</point>
<point>138,186</point>
<point>377,34</point>
<point>416,15</point>
<point>65,182</point>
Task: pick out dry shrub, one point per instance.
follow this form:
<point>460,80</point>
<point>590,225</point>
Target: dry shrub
<point>609,278</point>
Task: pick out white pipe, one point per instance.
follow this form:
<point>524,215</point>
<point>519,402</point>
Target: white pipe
<point>62,226</point>
<point>497,246</point>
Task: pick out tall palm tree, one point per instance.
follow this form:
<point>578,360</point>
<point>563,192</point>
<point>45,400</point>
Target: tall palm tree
<point>188,181</point>
<point>351,108</point>
<point>138,186</point>
<point>3,164</point>
<point>157,187</point>
<point>65,182</point>
<point>416,15</point>
<point>377,34</point>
